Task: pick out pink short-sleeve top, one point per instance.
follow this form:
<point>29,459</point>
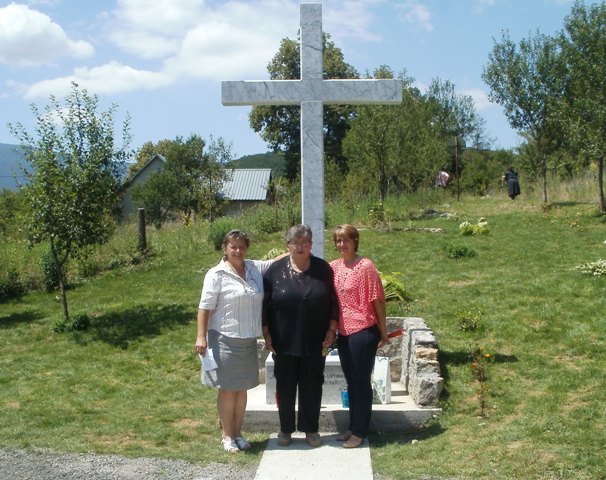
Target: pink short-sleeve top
<point>357,288</point>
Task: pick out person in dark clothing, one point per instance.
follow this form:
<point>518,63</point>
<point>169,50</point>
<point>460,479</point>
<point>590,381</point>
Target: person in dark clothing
<point>513,185</point>
<point>300,318</point>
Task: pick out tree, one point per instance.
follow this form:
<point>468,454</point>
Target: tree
<point>73,176</point>
<point>394,147</point>
<point>146,152</point>
<point>279,126</point>
<point>455,114</point>
<point>584,43</point>
<point>190,181</point>
<point>526,80</point>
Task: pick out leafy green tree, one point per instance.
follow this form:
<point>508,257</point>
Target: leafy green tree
<point>526,80</point>
<point>584,45</point>
<point>73,176</point>
<point>190,181</point>
<point>455,114</point>
<point>146,152</point>
<point>279,126</point>
<point>394,147</point>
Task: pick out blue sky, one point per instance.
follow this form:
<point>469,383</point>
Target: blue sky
<point>162,61</point>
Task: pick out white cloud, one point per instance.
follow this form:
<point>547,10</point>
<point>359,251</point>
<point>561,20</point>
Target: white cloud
<point>153,28</point>
<point>111,78</point>
<point>350,19</point>
<point>235,41</point>
<point>218,41</point>
<point>414,13</point>
<point>28,37</point>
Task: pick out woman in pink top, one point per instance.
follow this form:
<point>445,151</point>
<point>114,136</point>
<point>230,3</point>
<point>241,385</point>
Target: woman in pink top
<point>362,328</point>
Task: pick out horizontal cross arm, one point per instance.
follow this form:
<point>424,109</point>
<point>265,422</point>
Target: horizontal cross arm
<point>362,92</point>
<point>293,92</point>
<point>267,92</point>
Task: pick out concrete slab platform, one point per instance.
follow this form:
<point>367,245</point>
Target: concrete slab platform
<point>299,461</point>
<point>400,414</point>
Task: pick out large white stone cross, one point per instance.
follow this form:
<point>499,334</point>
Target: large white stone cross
<point>312,92</point>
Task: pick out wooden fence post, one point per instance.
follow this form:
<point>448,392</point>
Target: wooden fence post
<point>142,239</point>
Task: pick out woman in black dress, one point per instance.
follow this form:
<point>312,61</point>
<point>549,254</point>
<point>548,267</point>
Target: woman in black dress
<point>513,185</point>
<point>300,317</point>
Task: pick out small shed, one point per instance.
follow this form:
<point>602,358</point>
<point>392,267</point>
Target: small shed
<point>129,208</point>
<point>245,188</point>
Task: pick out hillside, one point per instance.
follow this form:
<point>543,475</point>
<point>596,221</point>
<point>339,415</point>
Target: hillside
<point>275,161</point>
<point>11,164</point>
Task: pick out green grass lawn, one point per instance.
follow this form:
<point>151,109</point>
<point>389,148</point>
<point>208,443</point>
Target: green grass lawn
<point>129,384</point>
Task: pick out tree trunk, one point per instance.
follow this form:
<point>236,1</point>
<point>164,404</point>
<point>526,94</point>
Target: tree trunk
<point>61,279</point>
<point>63,295</point>
<point>544,172</point>
<point>601,183</point>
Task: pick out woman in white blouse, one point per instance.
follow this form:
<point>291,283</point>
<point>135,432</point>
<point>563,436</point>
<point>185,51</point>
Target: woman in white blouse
<point>229,322</point>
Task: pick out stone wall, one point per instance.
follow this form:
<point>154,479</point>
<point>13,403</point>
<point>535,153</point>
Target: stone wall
<point>420,369</point>
<point>413,359</point>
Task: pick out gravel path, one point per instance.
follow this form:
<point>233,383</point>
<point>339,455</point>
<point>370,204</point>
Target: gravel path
<point>47,465</point>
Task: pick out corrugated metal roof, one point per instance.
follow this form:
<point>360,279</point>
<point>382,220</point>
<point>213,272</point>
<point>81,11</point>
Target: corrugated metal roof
<point>248,184</point>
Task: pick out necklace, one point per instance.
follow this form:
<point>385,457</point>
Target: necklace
<point>295,268</point>
<point>240,271</point>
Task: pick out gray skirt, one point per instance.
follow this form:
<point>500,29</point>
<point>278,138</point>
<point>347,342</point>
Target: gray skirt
<point>237,366</point>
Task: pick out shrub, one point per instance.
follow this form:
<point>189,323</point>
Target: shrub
<point>10,285</point>
<point>481,228</point>
<point>453,251</point>
<point>469,321</point>
<point>266,220</point>
<point>395,290</point>
<point>596,269</point>
<point>77,322</point>
<point>218,229</point>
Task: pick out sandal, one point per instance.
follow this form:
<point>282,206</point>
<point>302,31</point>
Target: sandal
<point>353,442</point>
<point>229,445</point>
<point>344,436</point>
<point>242,443</point>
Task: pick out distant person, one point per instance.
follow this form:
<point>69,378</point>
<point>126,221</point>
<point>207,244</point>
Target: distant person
<point>513,185</point>
<point>362,328</point>
<point>229,322</point>
<point>300,316</point>
<point>442,179</point>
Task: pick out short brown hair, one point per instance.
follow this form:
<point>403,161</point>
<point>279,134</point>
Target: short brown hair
<point>235,235</point>
<point>348,231</point>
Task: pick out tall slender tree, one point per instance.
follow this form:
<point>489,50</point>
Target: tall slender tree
<point>526,81</point>
<point>584,49</point>
<point>73,176</point>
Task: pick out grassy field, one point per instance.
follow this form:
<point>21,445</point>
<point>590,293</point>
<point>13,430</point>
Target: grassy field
<point>129,384</point>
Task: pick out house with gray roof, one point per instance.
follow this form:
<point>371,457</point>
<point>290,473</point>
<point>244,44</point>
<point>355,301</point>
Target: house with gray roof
<point>128,206</point>
<point>246,187</point>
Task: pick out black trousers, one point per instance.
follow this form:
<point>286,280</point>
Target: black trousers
<point>305,374</point>
<point>357,354</point>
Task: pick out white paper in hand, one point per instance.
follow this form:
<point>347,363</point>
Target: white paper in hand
<point>208,360</point>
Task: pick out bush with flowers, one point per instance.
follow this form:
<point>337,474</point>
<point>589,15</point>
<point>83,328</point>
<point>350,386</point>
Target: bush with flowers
<point>596,269</point>
<point>480,228</point>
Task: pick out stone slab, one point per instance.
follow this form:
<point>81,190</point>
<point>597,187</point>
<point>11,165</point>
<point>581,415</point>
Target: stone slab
<point>299,461</point>
<point>334,381</point>
<point>400,415</point>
